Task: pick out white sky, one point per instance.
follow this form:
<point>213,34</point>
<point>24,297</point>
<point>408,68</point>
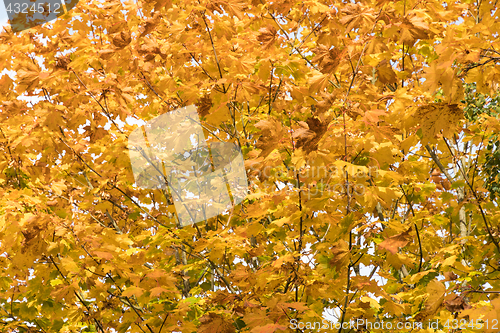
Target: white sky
<point>3,14</point>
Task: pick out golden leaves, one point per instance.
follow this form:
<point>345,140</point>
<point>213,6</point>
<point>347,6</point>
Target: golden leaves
<point>328,59</point>
<point>215,323</point>
<point>157,291</point>
<point>340,258</point>
<point>104,255</point>
<point>255,245</point>
<point>437,118</point>
<point>118,27</point>
<point>150,25</point>
<point>133,291</point>
<point>435,291</point>
<point>31,227</point>
<point>413,27</point>
<point>357,15</point>
<point>272,133</point>
<point>444,75</point>
<point>267,36</point>
<point>386,74</point>
<point>269,328</point>
<point>377,45</point>
<point>58,187</point>
<point>318,81</point>
<point>235,7</point>
<point>393,243</point>
<point>28,75</point>
<point>488,314</point>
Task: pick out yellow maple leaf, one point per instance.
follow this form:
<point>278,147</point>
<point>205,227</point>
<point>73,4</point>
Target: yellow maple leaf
<point>436,118</point>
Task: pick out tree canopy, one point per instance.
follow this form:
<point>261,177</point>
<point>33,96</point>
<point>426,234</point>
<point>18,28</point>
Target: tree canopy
<point>369,131</point>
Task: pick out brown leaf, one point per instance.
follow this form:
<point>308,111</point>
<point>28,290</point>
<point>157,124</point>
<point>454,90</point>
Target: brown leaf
<point>310,133</point>
<point>97,134</point>
<point>121,39</point>
<point>149,46</point>
<point>203,105</point>
<point>454,303</point>
<point>63,62</point>
<point>326,102</point>
<point>393,243</point>
<point>450,276</point>
<point>353,111</point>
<point>106,54</point>
<point>162,3</point>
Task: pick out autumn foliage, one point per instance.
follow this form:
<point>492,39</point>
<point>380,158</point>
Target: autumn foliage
<point>369,154</point>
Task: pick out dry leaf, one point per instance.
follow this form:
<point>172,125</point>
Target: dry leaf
<point>393,243</point>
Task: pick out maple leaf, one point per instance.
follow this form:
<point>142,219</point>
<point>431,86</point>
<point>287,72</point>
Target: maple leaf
<point>435,297</point>
<point>309,134</point>
<point>450,276</point>
<point>455,303</point>
<point>386,74</point>
<point>267,36</point>
<point>437,117</point>
<point>62,62</point>
<point>356,15</point>
<point>215,323</point>
<point>393,243</point>
<point>413,27</point>
<point>340,251</point>
<point>326,102</point>
<point>353,111</point>
<point>150,24</point>
<point>328,59</point>
<point>269,328</point>
<point>318,81</point>
<point>272,132</point>
<point>117,27</point>
<point>121,39</point>
<point>133,291</point>
<point>104,255</point>
<point>204,105</point>
<point>234,7</point>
